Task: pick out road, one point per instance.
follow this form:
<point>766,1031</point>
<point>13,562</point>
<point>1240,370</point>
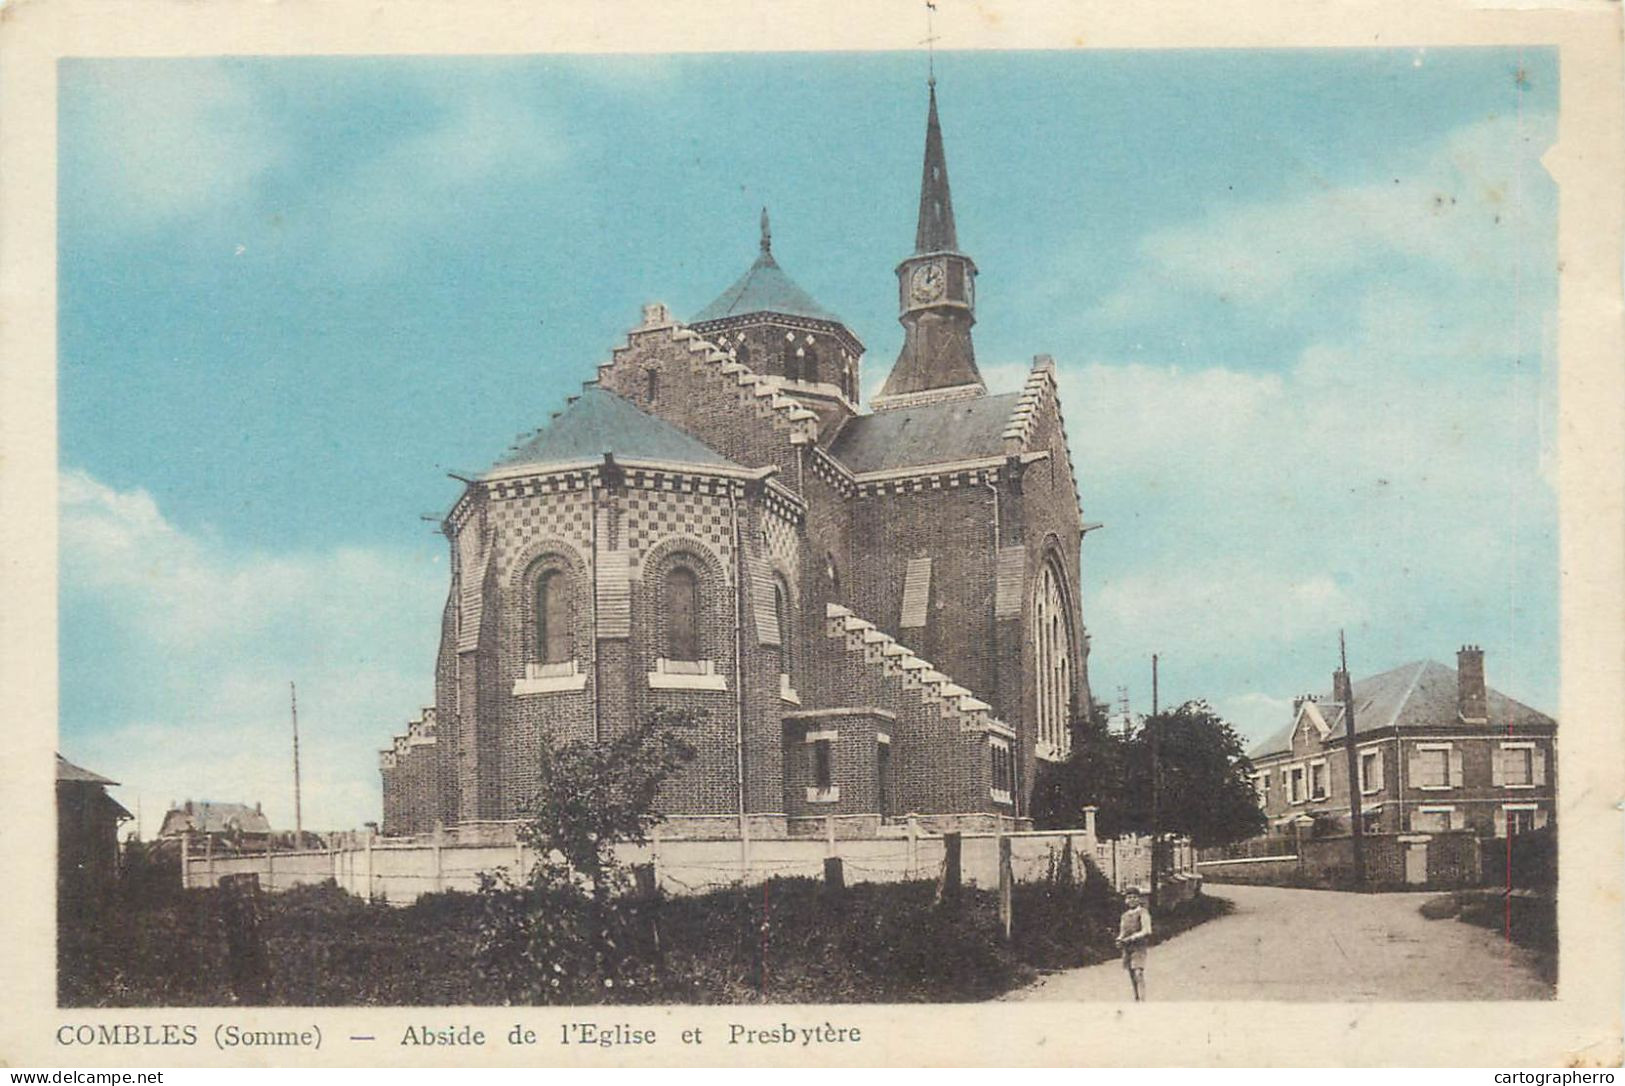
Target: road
<point>1315,946</point>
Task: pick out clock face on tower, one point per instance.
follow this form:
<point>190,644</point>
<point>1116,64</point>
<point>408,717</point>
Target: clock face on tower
<point>928,282</point>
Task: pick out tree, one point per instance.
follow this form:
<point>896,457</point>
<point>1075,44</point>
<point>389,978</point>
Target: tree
<point>573,929</point>
<point>1207,791</point>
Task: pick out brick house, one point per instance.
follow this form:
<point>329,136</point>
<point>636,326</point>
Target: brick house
<point>1438,750</point>
<point>875,613</point>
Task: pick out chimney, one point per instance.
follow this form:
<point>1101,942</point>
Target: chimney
<point>1472,699</point>
<point>257,807</point>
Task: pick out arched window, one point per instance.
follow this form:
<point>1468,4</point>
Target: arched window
<point>1053,636</point>
<point>682,614</point>
<point>834,576</point>
<point>554,634</point>
<point>781,618</point>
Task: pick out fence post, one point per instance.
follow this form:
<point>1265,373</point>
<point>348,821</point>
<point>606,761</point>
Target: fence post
<point>1006,878</point>
<point>208,859</point>
<point>439,873</point>
<point>270,869</point>
<point>829,835</point>
<point>369,865</point>
<point>654,853</point>
<point>834,877</point>
<point>913,844</point>
<point>948,888</point>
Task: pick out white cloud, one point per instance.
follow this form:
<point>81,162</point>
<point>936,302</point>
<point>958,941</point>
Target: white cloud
<point>1472,206</point>
<point>168,141</point>
<point>195,703</point>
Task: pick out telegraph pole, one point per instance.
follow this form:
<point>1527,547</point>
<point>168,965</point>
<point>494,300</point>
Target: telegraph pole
<point>1345,694</point>
<point>298,816</point>
<point>1156,779</point>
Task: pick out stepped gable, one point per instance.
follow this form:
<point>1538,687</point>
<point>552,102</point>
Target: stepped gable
<point>752,390</point>
<point>931,433</point>
<point>1419,694</point>
<point>881,649</point>
<point>598,422</point>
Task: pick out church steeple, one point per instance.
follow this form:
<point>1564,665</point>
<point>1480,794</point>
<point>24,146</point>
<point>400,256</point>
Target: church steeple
<point>936,295</point>
<point>936,230</point>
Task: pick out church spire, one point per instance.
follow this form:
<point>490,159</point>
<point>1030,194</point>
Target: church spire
<point>935,233</point>
<point>936,295</point>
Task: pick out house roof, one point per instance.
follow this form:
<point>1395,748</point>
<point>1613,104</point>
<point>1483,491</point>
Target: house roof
<point>764,288</point>
<point>932,433</point>
<point>1413,695</point>
<point>67,771</point>
<point>598,422</point>
<point>209,817</point>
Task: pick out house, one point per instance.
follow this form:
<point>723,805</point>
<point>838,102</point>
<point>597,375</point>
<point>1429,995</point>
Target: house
<point>87,821</point>
<point>1438,750</point>
<point>222,827</point>
<point>873,613</point>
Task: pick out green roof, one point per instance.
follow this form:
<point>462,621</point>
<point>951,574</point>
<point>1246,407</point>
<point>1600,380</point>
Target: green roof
<point>765,289</point>
<point>598,422</point>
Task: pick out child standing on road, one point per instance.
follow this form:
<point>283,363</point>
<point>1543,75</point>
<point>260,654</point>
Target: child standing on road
<point>1133,936</point>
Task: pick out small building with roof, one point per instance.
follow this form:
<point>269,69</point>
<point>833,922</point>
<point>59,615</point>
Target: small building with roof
<point>87,822</point>
<point>1438,750</point>
<point>872,614</point>
<point>221,827</point>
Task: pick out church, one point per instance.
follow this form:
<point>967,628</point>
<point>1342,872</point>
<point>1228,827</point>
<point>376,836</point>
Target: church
<point>872,615</point>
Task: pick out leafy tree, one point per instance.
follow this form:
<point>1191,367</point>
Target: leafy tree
<point>573,930</point>
<point>1207,793</point>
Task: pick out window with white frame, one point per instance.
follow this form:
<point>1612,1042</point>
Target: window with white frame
<point>1370,772</point>
<point>1516,818</point>
<point>1002,777</point>
<point>1295,784</point>
<point>1432,766</point>
<point>1517,765</point>
<point>1433,819</point>
<point>1319,782</point>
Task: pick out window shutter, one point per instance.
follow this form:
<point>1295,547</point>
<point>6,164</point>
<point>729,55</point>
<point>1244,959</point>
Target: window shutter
<point>1415,772</point>
<point>1537,765</point>
<point>1498,757</point>
<point>1502,817</point>
<point>1376,772</point>
<point>1455,767</point>
<point>1011,578</point>
<point>916,593</point>
<point>762,602</point>
<point>614,599</point>
<point>1540,818</point>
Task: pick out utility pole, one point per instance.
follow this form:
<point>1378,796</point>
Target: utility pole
<point>1345,694</point>
<point>1156,779</point>
<point>298,815</point>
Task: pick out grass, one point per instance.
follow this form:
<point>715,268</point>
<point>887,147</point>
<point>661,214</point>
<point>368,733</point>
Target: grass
<point>1525,920</point>
<point>786,941</point>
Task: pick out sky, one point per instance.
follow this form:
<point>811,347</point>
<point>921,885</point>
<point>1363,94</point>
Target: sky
<point>1302,304</point>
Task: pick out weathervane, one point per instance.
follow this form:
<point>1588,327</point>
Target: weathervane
<point>930,45</point>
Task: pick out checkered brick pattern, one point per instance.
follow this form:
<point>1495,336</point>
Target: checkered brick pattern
<point>522,521</point>
<point>782,544</point>
<point>653,516</point>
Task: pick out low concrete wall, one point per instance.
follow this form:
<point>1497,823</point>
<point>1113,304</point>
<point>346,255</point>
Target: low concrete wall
<point>1263,871</point>
<point>401,869</point>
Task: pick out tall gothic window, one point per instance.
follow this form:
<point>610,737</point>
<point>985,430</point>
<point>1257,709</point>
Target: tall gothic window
<point>1053,635</point>
<point>781,617</point>
<point>553,619</point>
<point>682,614</point>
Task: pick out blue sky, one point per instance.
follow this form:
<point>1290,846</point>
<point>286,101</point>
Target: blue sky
<point>1302,302</point>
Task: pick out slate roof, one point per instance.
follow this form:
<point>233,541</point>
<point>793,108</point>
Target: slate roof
<point>765,289</point>
<point>215,818</point>
<point>934,433</point>
<point>67,771</point>
<point>599,422</point>
<point>1417,694</point>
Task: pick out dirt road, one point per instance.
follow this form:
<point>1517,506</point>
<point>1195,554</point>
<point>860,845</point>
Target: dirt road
<point>1315,946</point>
